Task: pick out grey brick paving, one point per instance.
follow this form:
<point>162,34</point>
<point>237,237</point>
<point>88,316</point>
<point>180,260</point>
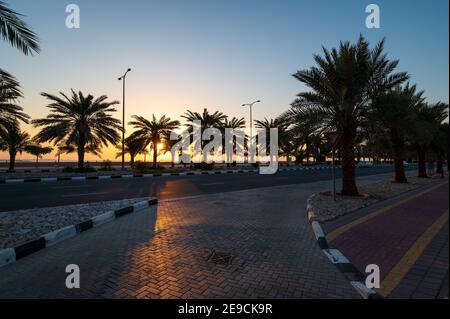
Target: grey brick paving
<point>164,253</point>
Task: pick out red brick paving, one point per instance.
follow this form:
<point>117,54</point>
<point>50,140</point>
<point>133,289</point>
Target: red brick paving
<point>384,239</point>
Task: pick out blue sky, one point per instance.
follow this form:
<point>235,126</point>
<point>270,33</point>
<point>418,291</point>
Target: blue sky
<point>215,54</point>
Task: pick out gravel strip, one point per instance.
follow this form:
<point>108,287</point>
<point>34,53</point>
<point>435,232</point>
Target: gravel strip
<point>17,227</point>
<point>326,209</point>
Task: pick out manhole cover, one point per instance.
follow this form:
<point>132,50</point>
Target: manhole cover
<point>220,258</point>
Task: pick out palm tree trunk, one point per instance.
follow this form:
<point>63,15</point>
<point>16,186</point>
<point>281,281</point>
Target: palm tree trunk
<point>348,167</point>
<point>37,161</point>
<point>422,163</point>
<point>440,165</point>
<point>12,160</point>
<point>307,154</point>
<point>155,154</point>
<point>131,160</point>
<point>80,157</point>
<point>400,176</point>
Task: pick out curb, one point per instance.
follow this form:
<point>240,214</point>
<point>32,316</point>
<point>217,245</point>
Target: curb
<point>10,255</point>
<point>82,178</point>
<point>350,272</point>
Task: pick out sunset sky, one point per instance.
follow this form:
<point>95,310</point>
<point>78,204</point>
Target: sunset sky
<point>212,54</point>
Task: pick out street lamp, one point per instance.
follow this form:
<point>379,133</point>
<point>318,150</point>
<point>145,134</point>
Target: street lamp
<point>123,77</point>
<point>251,124</point>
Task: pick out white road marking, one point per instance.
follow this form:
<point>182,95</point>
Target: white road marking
<point>87,194</point>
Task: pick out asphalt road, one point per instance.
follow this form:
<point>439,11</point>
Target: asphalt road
<point>48,194</point>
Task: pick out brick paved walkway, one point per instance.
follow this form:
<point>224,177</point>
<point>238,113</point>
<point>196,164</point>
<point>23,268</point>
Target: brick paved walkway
<point>167,253</point>
<point>408,241</point>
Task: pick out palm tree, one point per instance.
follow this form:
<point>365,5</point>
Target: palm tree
<point>134,145</point>
<point>208,120</point>
<point>393,113</point>
<point>303,131</point>
<point>10,112</point>
<point>15,31</point>
<point>343,84</point>
<point>38,151</point>
<point>152,132</point>
<point>280,124</point>
<point>168,147</point>
<point>235,124</point>
<point>429,117</point>
<point>82,122</point>
<point>13,140</point>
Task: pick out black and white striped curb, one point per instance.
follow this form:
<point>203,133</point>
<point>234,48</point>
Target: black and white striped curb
<point>351,273</point>
<point>101,177</point>
<point>10,255</point>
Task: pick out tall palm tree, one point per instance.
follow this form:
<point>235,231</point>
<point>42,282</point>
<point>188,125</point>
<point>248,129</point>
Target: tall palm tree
<point>208,120</point>
<point>13,140</point>
<point>10,112</point>
<point>152,132</point>
<point>38,151</point>
<point>343,84</point>
<point>134,145</point>
<point>83,122</point>
<point>429,117</point>
<point>393,113</point>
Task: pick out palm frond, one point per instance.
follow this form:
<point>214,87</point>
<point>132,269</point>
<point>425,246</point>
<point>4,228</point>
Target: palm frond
<point>15,31</point>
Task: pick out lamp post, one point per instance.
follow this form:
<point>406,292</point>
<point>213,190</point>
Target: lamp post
<point>123,77</point>
<point>251,124</point>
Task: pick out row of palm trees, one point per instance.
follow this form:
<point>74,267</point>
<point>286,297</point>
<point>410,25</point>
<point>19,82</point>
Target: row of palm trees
<point>353,89</point>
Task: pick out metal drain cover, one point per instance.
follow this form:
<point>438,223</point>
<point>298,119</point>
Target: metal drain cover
<point>221,258</point>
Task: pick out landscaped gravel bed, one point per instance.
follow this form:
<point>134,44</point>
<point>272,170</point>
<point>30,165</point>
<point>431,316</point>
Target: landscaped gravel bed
<point>327,209</point>
<point>17,227</point>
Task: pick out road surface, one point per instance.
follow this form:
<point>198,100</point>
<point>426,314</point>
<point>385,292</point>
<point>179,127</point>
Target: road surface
<point>49,194</point>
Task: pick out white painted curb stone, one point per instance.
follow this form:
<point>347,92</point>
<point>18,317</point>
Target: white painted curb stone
<point>318,232</point>
<point>103,218</point>
<point>59,235</point>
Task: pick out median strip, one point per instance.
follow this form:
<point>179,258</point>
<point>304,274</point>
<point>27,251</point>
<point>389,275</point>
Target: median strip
<point>127,176</point>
